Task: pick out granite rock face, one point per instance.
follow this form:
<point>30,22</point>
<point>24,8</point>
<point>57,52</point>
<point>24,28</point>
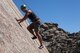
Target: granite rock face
<point>13,38</point>
<point>58,40</point>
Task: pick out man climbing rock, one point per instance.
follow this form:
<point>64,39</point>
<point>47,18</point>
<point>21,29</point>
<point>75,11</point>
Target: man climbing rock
<point>33,27</point>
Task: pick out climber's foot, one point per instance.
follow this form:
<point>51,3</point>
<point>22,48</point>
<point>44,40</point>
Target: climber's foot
<point>41,46</point>
<point>34,37</point>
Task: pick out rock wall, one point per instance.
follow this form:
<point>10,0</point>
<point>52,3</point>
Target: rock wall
<point>58,40</point>
<point>13,38</point>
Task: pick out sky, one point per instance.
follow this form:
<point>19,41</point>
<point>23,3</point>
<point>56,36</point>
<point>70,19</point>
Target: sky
<point>64,12</point>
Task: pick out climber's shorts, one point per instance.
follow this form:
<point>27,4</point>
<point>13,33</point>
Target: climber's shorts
<point>35,25</point>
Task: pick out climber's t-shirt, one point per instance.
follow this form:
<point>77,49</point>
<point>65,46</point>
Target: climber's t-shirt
<point>33,17</point>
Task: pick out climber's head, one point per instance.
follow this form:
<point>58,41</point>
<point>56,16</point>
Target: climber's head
<point>23,8</point>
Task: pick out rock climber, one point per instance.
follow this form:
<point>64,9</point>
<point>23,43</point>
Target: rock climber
<point>33,27</point>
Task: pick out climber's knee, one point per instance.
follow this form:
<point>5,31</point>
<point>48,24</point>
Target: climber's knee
<point>28,28</point>
<point>37,34</point>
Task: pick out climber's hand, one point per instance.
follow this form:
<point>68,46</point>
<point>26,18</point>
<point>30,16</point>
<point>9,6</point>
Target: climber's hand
<point>19,20</point>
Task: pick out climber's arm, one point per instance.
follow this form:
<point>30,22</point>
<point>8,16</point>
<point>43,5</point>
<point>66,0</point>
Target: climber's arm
<point>24,18</point>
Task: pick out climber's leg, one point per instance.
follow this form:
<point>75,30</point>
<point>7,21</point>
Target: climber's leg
<point>40,39</point>
<point>36,26</point>
<point>30,29</point>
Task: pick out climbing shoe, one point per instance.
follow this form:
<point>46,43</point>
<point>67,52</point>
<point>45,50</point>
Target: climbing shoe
<point>34,37</point>
<point>40,47</point>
